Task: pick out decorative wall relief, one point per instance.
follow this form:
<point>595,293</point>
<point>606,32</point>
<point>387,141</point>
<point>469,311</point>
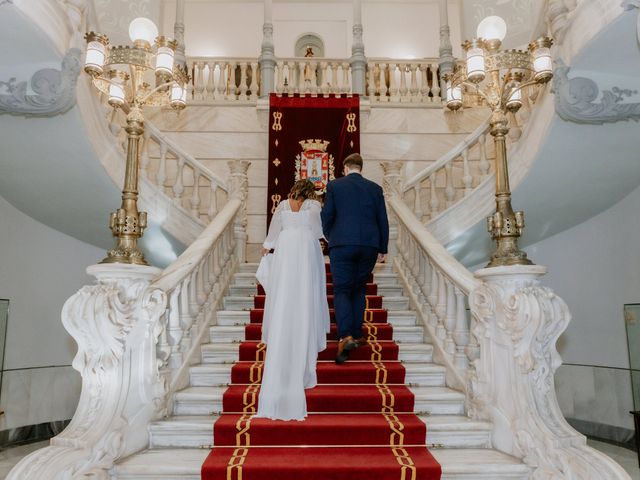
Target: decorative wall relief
<point>576,97</point>
<point>54,91</point>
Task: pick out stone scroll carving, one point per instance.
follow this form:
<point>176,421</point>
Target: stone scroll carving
<point>52,91</point>
<point>116,324</point>
<point>576,100</point>
<point>516,324</point>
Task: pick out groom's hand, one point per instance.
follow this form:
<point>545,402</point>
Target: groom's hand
<point>382,257</point>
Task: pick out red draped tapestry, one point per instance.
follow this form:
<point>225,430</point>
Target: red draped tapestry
<point>309,137</point>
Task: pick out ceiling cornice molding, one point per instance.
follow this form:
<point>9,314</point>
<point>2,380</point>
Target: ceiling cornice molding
<point>54,91</point>
<point>575,100</point>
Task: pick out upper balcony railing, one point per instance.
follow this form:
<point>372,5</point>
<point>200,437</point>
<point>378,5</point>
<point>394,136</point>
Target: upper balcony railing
<point>388,81</point>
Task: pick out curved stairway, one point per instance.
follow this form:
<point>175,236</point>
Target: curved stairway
<point>207,412</point>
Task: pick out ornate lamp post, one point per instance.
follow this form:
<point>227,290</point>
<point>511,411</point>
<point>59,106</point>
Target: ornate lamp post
<point>498,78</point>
<point>132,77</point>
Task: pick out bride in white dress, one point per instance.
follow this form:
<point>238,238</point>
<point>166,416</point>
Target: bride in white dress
<point>296,315</point>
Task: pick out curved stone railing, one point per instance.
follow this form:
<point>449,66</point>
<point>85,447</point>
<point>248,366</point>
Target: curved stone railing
<point>403,81</point>
<point>503,356</point>
<point>138,330</point>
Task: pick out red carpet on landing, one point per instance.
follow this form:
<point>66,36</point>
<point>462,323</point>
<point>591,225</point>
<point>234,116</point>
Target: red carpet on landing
<point>361,424</point>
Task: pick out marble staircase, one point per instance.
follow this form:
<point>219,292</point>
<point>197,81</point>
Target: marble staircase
<point>179,443</point>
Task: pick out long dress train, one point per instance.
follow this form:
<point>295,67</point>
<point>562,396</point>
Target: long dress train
<point>296,316</point>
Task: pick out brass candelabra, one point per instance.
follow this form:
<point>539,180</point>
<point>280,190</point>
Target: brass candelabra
<point>132,77</point>
<point>498,77</point>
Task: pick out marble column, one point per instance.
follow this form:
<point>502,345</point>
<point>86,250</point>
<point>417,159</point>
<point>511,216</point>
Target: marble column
<point>267,57</point>
<point>178,32</point>
<point>358,60</point>
<point>446,62</point>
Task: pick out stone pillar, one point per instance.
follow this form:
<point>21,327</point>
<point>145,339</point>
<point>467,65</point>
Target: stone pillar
<point>178,32</point>
<point>447,61</point>
<point>267,56</point>
<point>358,60</point>
<point>239,188</point>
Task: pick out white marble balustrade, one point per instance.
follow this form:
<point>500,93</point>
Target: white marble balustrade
<point>223,80</point>
<point>403,81</point>
<point>313,76</point>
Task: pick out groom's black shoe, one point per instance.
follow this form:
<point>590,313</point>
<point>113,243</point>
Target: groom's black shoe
<point>345,346</point>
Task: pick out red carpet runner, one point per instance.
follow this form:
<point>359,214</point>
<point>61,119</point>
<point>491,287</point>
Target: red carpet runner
<point>361,424</point>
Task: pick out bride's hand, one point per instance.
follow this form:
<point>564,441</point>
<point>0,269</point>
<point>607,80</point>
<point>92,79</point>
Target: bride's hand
<point>265,251</point>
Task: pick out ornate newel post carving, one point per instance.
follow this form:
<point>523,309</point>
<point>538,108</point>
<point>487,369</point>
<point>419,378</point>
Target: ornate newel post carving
<point>267,58</point>
<point>392,185</point>
<point>516,323</point>
<point>358,60</point>
<point>116,323</point>
<point>239,189</point>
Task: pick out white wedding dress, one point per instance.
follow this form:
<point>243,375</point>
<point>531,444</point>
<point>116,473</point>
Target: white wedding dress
<point>296,316</point>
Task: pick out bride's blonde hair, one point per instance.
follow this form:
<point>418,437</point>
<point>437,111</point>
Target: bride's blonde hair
<point>303,189</point>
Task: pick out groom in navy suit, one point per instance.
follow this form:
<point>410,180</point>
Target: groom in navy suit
<point>354,220</point>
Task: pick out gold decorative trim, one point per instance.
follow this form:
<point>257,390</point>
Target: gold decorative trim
<point>277,118</point>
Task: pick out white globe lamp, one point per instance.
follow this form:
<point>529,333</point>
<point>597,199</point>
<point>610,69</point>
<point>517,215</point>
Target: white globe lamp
<point>492,28</point>
<point>142,29</point>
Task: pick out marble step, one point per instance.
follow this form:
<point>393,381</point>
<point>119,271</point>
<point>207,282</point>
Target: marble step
<point>428,400</point>
<point>250,290</point>
<point>228,352</point>
<point>226,334</point>
<point>212,375</point>
<point>378,269</point>
<point>185,463</point>
<point>246,303</point>
<point>382,279</point>
<point>449,431</point>
<point>397,318</point>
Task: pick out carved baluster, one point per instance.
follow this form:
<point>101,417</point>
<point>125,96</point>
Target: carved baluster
<point>213,201</point>
<point>424,87</point>
<point>222,80</point>
<point>230,81</point>
<point>254,81</point>
<point>383,83</point>
<point>433,295</point>
<point>450,319</point>
<point>178,186</point>
<point>426,287</point>
<point>194,288</point>
<point>417,202</point>
<point>467,179</point>
<point>215,78</point>
<point>393,89</point>
<point>314,78</point>
<point>301,79</point>
<point>403,83</point>
<point>421,274</point>
<point>372,82</point>
<point>161,176</point>
<point>324,69</point>
<point>186,320</point>
<point>414,90</point>
<point>435,83</point>
<point>199,81</point>
<point>484,164</point>
<point>174,330</point>
<point>287,78</point>
<point>346,77</point>
<point>201,284</point>
<point>195,195</point>
<point>335,87</point>
<point>163,349</point>
<point>211,87</point>
<point>461,332</point>
<point>450,191</point>
<point>434,203</point>
<point>441,307</point>
<point>242,89</point>
<point>279,78</point>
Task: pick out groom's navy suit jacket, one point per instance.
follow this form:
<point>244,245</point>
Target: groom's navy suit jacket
<point>354,213</point>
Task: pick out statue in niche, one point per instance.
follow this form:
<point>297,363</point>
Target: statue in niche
<point>307,66</point>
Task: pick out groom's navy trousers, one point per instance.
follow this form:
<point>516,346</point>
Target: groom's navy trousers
<point>354,221</point>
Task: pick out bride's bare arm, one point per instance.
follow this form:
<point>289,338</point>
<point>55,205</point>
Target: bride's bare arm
<point>274,230</point>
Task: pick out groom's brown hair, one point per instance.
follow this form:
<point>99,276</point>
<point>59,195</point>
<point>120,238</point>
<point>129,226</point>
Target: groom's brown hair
<point>353,161</point>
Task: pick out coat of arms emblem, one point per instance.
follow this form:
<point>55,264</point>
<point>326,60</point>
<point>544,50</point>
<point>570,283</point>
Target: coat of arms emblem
<point>315,163</point>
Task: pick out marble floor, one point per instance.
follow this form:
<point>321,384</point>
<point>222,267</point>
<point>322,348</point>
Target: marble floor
<point>627,458</point>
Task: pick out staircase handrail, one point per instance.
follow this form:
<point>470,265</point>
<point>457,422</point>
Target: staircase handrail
<point>469,141</point>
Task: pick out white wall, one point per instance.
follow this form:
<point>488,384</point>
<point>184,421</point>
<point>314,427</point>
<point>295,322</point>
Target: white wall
<point>391,29</point>
<point>40,268</point>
